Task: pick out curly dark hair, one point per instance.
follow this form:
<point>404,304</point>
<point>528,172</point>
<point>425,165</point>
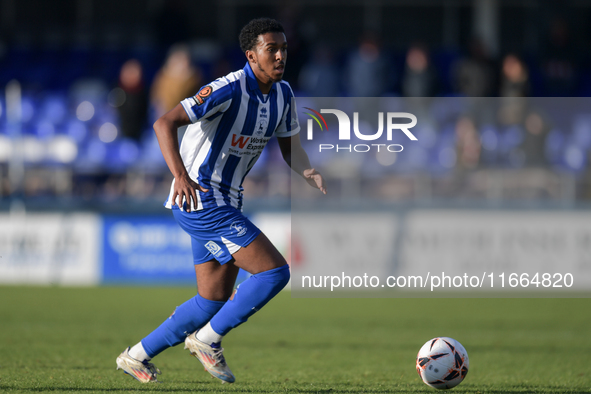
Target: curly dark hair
<point>249,35</point>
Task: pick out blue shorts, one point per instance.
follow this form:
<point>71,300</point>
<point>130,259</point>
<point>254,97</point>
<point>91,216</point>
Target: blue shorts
<point>216,233</point>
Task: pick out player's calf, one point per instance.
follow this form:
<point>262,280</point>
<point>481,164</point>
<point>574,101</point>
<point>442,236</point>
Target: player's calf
<point>251,295</point>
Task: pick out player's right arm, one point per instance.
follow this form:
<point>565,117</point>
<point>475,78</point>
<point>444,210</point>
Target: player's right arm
<point>166,130</point>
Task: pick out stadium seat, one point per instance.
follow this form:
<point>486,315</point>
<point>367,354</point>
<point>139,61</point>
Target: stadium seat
<point>575,158</point>
<point>510,139</point>
<point>489,139</point>
<point>91,157</point>
<point>44,129</point>
<point>555,142</point>
<point>150,157</point>
<point>2,117</point>
<point>54,107</point>
<point>120,155</point>
<point>581,132</point>
<point>77,130</point>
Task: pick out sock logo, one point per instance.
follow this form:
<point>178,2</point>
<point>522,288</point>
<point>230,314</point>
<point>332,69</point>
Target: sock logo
<point>213,248</point>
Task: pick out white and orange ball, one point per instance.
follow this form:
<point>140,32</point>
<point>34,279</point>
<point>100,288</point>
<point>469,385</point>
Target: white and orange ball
<point>442,363</point>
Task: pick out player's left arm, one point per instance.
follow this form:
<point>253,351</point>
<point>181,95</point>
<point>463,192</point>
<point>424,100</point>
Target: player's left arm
<point>297,158</point>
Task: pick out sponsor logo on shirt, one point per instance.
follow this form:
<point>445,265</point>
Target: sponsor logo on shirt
<point>248,145</point>
<point>241,141</point>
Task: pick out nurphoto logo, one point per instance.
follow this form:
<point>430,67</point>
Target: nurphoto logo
<point>344,122</point>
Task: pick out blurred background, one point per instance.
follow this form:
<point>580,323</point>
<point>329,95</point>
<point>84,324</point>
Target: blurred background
<point>83,81</point>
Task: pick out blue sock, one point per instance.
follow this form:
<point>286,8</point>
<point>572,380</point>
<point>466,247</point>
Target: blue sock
<point>251,295</point>
<point>187,318</point>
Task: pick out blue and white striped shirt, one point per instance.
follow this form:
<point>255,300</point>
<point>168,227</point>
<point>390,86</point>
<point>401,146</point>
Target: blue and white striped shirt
<point>231,124</point>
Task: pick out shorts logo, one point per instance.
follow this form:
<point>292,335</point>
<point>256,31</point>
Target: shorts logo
<point>240,228</point>
<point>203,94</point>
<point>213,248</point>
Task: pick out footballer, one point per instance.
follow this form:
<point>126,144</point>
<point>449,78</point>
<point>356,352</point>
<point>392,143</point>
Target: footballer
<point>229,123</point>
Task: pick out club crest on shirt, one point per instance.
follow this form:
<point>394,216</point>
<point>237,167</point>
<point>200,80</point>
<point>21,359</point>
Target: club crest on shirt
<point>203,94</point>
<point>261,127</point>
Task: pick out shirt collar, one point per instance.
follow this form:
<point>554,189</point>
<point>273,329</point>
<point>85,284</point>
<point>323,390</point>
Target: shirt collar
<point>252,83</point>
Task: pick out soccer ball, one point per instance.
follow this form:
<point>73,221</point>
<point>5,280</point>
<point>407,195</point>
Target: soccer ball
<point>442,363</point>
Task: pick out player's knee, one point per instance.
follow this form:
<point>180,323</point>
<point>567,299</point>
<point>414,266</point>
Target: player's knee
<point>287,274</point>
<point>282,276</point>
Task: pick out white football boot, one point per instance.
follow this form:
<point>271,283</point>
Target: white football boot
<point>144,371</point>
<point>211,357</point>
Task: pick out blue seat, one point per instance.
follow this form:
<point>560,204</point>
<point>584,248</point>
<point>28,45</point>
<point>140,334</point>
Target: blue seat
<point>54,107</point>
<point>150,156</point>
<point>2,117</point>
<point>77,130</point>
<point>581,131</point>
<point>120,155</point>
<point>555,142</point>
<point>92,156</point>
<point>575,158</point>
<point>511,137</point>
<point>490,141</point>
<point>44,129</point>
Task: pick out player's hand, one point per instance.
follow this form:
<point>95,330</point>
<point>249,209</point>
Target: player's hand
<point>185,189</point>
<point>314,178</point>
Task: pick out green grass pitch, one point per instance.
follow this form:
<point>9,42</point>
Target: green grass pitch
<point>67,339</point>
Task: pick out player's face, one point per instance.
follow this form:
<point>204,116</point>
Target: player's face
<point>269,57</point>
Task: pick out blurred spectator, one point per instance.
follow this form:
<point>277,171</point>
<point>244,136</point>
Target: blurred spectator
<point>514,77</point>
<point>558,66</point>
<point>366,73</point>
<point>534,143</point>
<point>175,81</point>
<point>473,75</point>
<point>514,88</point>
<point>131,99</point>
<point>515,110</point>
<point>319,77</point>
<point>468,145</point>
<point>419,78</point>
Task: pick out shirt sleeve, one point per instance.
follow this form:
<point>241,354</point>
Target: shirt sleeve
<point>289,125</point>
<point>210,99</point>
